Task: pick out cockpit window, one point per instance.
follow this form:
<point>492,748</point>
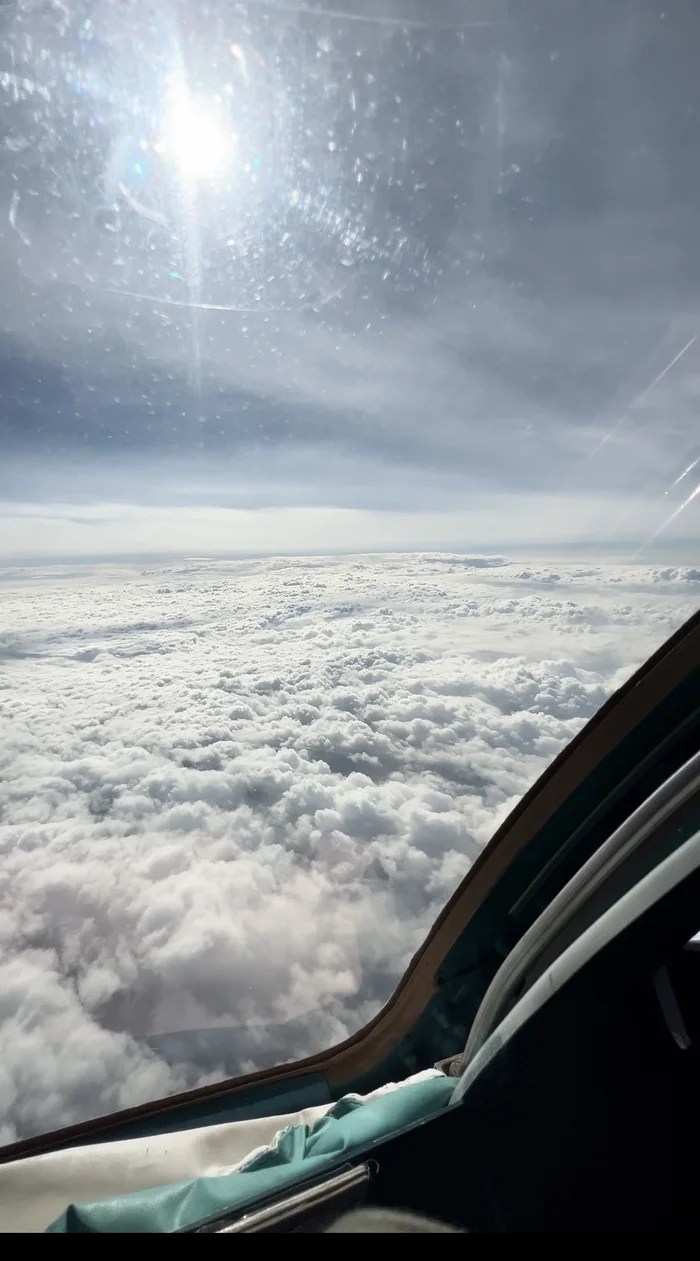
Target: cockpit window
<point>349,363</point>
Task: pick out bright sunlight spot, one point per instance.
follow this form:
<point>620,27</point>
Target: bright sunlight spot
<point>195,136</point>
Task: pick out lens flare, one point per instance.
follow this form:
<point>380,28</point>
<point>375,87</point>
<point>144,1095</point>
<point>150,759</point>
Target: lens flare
<point>196,137</point>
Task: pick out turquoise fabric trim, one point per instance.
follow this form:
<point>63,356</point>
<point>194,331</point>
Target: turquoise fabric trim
<point>349,1129</point>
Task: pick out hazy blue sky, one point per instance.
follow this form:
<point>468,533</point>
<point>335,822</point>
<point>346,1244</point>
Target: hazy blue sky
<point>395,282</point>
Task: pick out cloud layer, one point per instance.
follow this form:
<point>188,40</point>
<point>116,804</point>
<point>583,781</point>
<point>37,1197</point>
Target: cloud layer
<point>235,795</point>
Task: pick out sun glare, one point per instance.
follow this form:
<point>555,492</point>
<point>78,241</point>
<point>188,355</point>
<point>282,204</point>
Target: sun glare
<point>195,137</point>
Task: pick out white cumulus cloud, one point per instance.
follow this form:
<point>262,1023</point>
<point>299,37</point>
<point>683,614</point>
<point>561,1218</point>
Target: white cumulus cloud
<point>235,795</point>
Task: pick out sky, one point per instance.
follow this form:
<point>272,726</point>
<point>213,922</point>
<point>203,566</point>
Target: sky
<point>235,795</point>
<point>270,275</point>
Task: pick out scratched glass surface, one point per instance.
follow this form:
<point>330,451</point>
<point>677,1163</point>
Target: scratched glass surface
<point>349,461</point>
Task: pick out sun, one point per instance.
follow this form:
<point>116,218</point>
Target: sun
<point>195,137</point>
